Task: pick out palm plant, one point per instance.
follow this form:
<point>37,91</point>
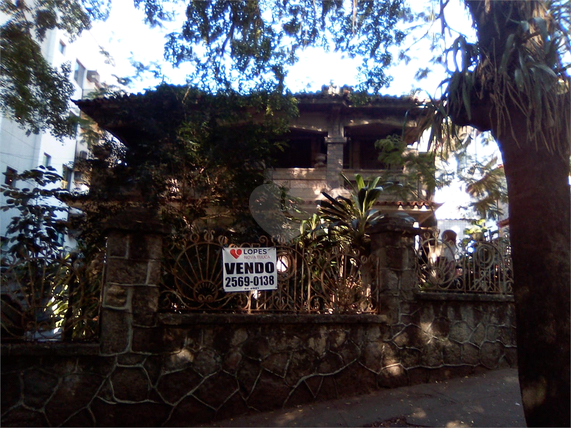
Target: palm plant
<point>349,218</point>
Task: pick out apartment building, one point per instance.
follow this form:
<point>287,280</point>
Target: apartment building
<point>20,151</point>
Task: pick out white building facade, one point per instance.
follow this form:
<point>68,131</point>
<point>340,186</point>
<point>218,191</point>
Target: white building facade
<point>20,151</point>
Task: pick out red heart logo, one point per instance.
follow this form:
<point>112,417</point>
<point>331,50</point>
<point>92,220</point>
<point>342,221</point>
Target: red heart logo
<point>235,253</point>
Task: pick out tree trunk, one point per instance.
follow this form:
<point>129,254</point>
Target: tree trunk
<point>539,219</point>
<point>539,206</point>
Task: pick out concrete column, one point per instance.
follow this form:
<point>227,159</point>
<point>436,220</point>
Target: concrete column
<point>132,277</point>
<point>334,160</point>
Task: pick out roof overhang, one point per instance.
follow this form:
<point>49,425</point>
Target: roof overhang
<point>153,115</point>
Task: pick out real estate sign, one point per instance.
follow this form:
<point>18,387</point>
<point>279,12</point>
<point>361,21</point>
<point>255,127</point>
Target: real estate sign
<point>247,269</point>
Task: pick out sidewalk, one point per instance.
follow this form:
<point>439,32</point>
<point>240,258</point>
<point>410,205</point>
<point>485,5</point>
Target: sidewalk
<point>491,399</point>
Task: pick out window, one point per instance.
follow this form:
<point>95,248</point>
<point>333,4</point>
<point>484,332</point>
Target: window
<point>66,177</point>
<point>74,119</point>
<point>47,161</point>
<point>60,238</point>
<point>302,150</point>
<point>61,47</point>
<point>79,73</point>
<point>10,174</point>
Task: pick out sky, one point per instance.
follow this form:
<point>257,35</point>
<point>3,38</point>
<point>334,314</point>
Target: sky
<point>125,35</point>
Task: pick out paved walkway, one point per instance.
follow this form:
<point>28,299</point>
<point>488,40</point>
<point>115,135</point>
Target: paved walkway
<point>491,399</point>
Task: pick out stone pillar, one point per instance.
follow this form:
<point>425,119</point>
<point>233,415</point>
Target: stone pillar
<point>392,249</point>
<point>132,276</point>
<point>334,160</point>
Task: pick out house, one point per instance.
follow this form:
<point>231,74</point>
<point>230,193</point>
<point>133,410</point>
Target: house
<point>331,135</point>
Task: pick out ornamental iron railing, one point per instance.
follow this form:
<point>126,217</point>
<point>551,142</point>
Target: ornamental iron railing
<point>478,267</point>
<point>310,280</point>
<point>50,299</point>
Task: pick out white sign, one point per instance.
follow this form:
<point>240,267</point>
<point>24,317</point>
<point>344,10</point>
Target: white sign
<point>248,269</point>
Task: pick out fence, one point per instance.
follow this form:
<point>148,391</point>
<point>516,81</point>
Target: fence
<point>310,280</point>
<point>317,279</point>
<point>60,299</point>
<point>477,267</point>
<point>50,299</point>
<point>159,368</point>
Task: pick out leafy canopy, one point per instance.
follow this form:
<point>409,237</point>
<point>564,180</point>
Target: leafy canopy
<point>32,92</point>
<point>38,227</point>
<point>250,44</point>
<point>518,68</point>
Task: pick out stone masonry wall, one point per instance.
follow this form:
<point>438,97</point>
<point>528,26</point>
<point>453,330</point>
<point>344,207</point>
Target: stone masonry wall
<point>152,369</point>
<point>197,368</point>
<point>437,329</point>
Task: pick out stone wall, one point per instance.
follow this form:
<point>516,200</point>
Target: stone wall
<point>152,369</point>
<point>196,368</point>
<point>438,329</point>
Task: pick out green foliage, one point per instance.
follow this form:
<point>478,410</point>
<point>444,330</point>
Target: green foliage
<point>518,67</point>
<point>482,176</point>
<point>198,158</point>
<point>347,220</point>
<point>531,78</point>
<point>410,174</point>
<point>72,16</point>
<point>224,153</point>
<point>45,287</point>
<point>33,93</point>
<point>423,173</point>
<point>478,231</point>
<point>49,298</point>
<point>37,231</point>
<point>249,45</point>
<point>486,184</point>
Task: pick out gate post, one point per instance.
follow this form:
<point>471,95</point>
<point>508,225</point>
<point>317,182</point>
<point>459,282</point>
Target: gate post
<point>130,292</point>
<point>392,249</point>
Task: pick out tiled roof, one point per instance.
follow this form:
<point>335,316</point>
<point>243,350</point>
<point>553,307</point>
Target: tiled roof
<point>430,205</point>
<point>327,93</point>
<point>335,93</point>
<point>131,117</point>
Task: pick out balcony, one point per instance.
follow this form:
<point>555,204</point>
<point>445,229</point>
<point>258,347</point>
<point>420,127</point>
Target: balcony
<point>308,183</point>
